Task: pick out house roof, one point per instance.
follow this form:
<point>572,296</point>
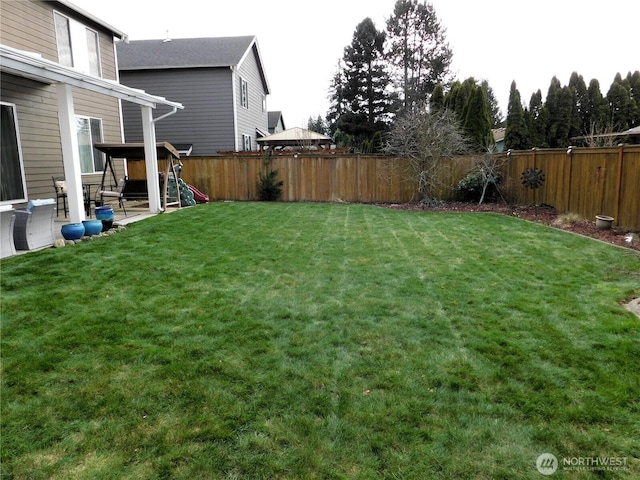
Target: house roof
<point>273,119</point>
<point>212,52</point>
<point>632,132</point>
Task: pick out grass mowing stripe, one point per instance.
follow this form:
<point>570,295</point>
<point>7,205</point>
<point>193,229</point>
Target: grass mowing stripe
<point>241,340</point>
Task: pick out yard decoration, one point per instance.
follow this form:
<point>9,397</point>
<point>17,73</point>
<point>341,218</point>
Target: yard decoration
<point>532,177</point>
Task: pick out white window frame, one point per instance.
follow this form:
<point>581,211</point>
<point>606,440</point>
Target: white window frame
<point>264,104</point>
<point>81,55</point>
<point>82,145</point>
<point>246,143</point>
<point>244,93</point>
<point>23,179</point>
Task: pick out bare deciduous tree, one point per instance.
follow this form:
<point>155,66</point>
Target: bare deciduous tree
<point>424,143</point>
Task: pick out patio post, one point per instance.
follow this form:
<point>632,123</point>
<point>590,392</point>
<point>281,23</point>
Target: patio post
<point>151,158</point>
<point>70,152</point>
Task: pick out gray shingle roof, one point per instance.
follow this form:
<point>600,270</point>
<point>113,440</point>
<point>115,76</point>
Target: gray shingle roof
<point>183,52</point>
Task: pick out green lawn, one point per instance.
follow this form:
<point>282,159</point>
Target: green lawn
<point>302,341</point>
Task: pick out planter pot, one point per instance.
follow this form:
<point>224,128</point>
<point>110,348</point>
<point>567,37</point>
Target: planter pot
<point>72,231</point>
<point>92,227</point>
<point>603,222</point>
<point>105,215</point>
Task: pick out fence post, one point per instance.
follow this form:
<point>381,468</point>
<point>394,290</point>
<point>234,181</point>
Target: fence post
<point>616,206</point>
<point>567,186</point>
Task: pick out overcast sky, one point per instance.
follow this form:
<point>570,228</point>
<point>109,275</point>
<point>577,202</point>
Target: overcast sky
<point>497,40</point>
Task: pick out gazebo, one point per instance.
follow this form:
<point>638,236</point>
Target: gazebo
<point>295,138</point>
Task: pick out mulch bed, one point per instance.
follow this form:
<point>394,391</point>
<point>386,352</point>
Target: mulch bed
<point>536,213</point>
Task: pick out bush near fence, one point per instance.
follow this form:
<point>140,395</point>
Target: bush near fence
<point>585,181</point>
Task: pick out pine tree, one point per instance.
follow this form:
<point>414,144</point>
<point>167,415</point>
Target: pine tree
<point>361,104</point>
<point>338,102</point>
<point>596,114</point>
<point>516,135</point>
<point>634,90</point>
<point>494,107</point>
<point>436,100</point>
<point>477,122</point>
<point>318,125</point>
<point>537,121</point>
<point>417,50</point>
<point>621,105</point>
<point>559,104</point>
<point>579,125</point>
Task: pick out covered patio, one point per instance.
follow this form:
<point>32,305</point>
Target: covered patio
<point>32,66</point>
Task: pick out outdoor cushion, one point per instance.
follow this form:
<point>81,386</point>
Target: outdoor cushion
<point>37,202</point>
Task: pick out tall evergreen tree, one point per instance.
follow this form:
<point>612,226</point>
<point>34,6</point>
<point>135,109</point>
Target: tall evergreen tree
<point>494,107</point>
<point>537,121</point>
<point>418,50</point>
<point>436,100</point>
<point>477,122</point>
<point>596,114</point>
<point>579,125</point>
<point>317,125</point>
<point>361,104</point>
<point>559,104</point>
<point>633,80</point>
<point>516,135</point>
<point>620,104</point>
<point>338,102</point>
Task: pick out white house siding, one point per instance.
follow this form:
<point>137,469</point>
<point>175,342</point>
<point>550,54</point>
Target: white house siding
<point>206,95</point>
<point>254,117</point>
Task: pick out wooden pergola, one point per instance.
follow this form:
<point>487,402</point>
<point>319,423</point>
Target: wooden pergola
<point>296,138</point>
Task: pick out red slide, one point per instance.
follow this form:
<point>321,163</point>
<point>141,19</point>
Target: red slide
<point>198,196</point>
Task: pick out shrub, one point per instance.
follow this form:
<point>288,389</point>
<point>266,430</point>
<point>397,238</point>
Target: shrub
<point>269,187</point>
<point>470,188</point>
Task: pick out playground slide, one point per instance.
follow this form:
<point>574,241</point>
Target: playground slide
<point>198,195</point>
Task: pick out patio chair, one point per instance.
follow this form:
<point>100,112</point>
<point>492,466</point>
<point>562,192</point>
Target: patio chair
<point>7,219</point>
<point>60,186</point>
<point>33,227</point>
<point>115,193</point>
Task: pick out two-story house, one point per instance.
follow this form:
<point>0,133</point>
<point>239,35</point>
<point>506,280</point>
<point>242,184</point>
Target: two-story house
<point>59,95</point>
<point>221,82</point>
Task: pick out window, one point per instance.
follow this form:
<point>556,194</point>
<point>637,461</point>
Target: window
<point>89,131</point>
<point>78,46</point>
<point>246,143</point>
<point>13,187</point>
<point>264,103</point>
<point>244,93</point>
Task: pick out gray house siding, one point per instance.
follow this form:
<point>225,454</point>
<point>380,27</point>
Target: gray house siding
<point>29,26</point>
<point>206,94</point>
<point>205,75</point>
<point>255,116</point>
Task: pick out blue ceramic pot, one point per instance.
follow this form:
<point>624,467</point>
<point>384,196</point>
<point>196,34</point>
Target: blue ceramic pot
<point>72,231</point>
<point>92,227</point>
<point>105,215</point>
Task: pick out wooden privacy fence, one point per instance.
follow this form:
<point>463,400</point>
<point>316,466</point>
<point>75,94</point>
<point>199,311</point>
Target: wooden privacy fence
<point>585,181</point>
